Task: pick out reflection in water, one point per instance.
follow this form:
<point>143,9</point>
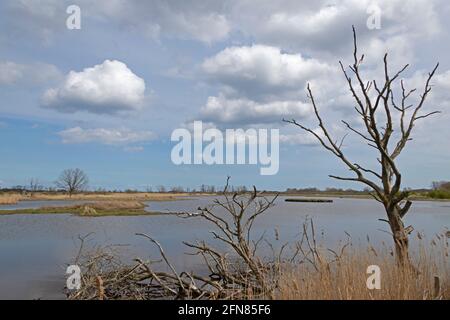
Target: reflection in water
<point>34,249</point>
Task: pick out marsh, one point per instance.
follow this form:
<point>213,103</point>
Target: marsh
<point>36,249</point>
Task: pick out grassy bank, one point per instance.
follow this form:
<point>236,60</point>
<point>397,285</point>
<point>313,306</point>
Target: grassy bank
<point>91,209</point>
<point>439,194</point>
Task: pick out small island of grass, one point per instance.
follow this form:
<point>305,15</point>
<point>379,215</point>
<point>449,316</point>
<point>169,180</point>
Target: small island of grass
<point>91,209</point>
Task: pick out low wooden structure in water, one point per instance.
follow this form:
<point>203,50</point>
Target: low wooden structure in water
<point>309,200</point>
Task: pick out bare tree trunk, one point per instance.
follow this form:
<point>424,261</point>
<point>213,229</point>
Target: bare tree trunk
<point>399,234</point>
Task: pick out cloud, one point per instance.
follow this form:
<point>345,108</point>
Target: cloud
<point>39,19</point>
<point>243,111</point>
<point>312,26</point>
<point>300,138</point>
<point>79,135</point>
<point>189,19</point>
<point>12,73</point>
<point>106,88</point>
<point>322,27</point>
<point>442,82</point>
<point>260,84</point>
<point>9,72</point>
<point>260,70</point>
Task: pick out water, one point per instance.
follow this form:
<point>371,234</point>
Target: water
<point>35,249</point>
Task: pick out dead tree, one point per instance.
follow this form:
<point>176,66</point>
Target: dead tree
<point>376,103</point>
<point>72,181</point>
<point>34,186</point>
<point>234,229</point>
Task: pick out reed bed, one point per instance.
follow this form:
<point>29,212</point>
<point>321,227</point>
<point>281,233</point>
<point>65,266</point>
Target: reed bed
<point>346,277</point>
<point>13,198</point>
<point>7,199</point>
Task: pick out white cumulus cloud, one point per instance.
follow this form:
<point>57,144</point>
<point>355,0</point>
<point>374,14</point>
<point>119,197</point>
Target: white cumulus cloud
<point>244,111</point>
<point>260,70</point>
<point>261,84</point>
<point>106,88</point>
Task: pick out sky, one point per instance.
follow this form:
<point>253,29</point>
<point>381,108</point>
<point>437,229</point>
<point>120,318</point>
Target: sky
<point>106,97</point>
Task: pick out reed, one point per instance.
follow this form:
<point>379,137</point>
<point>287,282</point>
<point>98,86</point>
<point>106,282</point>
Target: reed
<point>6,199</point>
<point>346,277</point>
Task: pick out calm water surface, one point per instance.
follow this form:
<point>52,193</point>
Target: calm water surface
<point>35,249</point>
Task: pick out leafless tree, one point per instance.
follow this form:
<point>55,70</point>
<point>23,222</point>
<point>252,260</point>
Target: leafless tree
<point>440,185</point>
<point>72,181</point>
<point>161,189</point>
<point>376,103</point>
<point>34,186</point>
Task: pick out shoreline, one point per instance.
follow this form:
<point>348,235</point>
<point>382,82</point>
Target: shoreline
<point>13,199</point>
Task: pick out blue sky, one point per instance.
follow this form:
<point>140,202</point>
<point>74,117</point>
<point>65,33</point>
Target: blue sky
<point>106,98</point>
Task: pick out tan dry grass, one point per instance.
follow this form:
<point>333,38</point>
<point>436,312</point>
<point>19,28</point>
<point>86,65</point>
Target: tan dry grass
<point>6,199</point>
<point>94,196</point>
<point>346,278</point>
<point>113,205</point>
<point>110,196</point>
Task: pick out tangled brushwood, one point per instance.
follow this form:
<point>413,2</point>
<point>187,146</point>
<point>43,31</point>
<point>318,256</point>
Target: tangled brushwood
<point>244,270</point>
<point>241,273</point>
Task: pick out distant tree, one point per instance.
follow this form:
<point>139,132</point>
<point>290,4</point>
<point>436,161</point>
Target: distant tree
<point>72,181</point>
<point>377,109</point>
<point>435,185</point>
<point>177,189</point>
<point>34,186</point>
<point>440,185</point>
<point>161,189</point>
